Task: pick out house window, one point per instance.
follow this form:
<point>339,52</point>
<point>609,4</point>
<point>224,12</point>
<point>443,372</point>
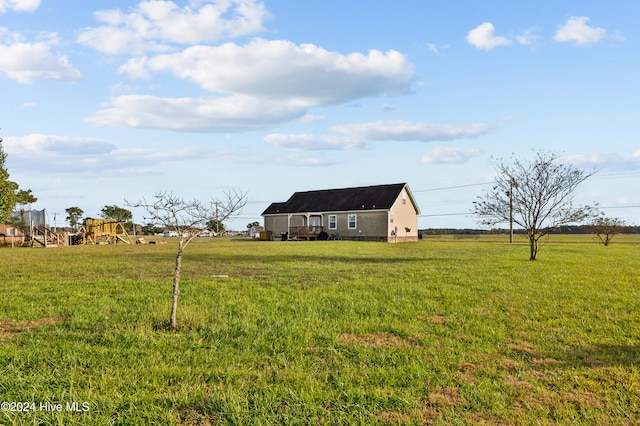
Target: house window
<point>353,223</point>
<point>333,221</point>
<point>404,198</point>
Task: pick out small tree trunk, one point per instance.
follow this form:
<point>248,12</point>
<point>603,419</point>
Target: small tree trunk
<point>176,287</point>
<point>533,246</point>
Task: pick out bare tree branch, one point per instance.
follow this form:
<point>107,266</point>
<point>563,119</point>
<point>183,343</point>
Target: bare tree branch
<point>187,219</point>
<point>536,196</point>
<point>606,228</point>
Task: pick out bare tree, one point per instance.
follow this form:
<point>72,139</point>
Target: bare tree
<point>187,219</point>
<point>607,227</point>
<point>535,195</point>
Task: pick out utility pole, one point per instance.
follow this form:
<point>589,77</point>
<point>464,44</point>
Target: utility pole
<point>510,194</point>
<point>55,223</point>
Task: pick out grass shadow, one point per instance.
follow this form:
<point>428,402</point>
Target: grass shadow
<point>605,355</point>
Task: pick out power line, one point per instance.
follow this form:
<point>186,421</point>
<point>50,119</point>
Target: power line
<point>471,213</point>
<point>444,188</point>
<point>445,214</point>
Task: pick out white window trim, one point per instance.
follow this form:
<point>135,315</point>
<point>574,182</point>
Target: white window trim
<point>333,225</point>
<point>355,221</point>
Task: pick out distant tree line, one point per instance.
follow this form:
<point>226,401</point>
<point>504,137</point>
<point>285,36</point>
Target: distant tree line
<point>578,229</point>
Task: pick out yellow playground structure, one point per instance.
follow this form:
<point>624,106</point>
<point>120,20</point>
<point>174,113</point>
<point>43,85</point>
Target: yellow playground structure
<point>102,231</point>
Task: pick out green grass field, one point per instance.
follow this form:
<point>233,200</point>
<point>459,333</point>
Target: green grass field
<point>444,331</point>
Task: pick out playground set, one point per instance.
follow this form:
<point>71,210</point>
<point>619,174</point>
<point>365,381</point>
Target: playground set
<point>30,227</point>
<point>101,231</point>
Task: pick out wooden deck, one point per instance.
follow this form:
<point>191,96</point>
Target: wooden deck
<point>304,232</point>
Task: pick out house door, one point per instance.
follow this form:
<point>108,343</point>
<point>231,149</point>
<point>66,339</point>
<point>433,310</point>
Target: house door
<point>314,221</point>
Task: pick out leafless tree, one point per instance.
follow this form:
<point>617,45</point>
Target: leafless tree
<point>607,227</point>
<point>187,219</point>
<point>536,196</point>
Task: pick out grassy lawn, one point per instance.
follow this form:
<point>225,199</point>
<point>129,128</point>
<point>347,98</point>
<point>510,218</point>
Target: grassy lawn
<point>337,332</point>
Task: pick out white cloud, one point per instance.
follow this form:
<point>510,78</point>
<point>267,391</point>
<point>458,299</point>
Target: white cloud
<point>528,37</point>
<point>311,142</point>
<point>483,37</point>
<point>19,5</point>
<point>400,130</point>
<point>156,25</point>
<point>449,155</point>
<point>49,144</point>
<point>291,80</point>
<point>228,114</point>
<point>577,30</point>
<point>64,154</point>
<point>28,62</point>
<point>612,161</point>
<point>306,73</point>
<point>357,135</point>
<point>297,161</point>
<point>433,48</point>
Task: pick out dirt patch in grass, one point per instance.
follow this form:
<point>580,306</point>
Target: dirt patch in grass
<point>545,400</point>
<point>393,417</point>
<point>375,340</point>
<point>436,319</point>
<point>485,419</point>
<point>510,365</point>
<point>546,362</point>
<point>518,384</point>
<point>193,417</point>
<point>445,397</point>
<point>468,373</point>
<point>10,328</point>
<point>525,349</point>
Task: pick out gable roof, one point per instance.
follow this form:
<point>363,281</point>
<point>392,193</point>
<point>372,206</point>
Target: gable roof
<point>377,197</point>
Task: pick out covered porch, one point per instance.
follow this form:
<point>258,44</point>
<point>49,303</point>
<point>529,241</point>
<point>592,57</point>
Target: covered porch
<point>307,226</point>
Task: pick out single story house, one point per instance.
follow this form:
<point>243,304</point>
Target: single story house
<point>11,234</point>
<point>371,213</point>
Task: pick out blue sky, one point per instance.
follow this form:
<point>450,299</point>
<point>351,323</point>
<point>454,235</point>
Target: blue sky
<point>114,100</point>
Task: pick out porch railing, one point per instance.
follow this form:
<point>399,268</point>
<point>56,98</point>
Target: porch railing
<point>304,231</point>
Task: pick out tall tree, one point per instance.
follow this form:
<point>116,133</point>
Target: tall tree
<point>7,189</point>
<point>215,225</point>
<point>117,213</point>
<point>23,199</point>
<point>536,195</point>
<point>74,214</point>
<point>187,219</point>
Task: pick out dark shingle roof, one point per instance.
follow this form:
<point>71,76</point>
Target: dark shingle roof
<point>345,199</point>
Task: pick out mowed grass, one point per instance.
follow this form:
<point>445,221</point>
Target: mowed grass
<point>335,332</point>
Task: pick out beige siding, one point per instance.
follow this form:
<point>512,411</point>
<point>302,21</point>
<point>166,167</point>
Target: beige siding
<point>371,225</point>
<point>276,224</point>
<point>403,214</point>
